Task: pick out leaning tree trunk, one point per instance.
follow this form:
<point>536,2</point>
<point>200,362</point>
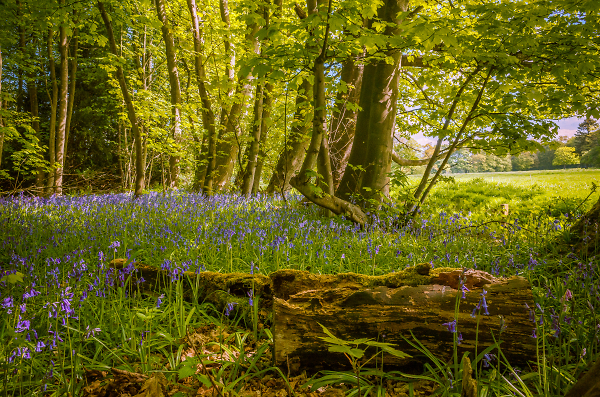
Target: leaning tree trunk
<point>294,149</point>
<point>139,159</point>
<point>175,92</point>
<point>208,115</point>
<point>386,308</point>
<point>62,109</point>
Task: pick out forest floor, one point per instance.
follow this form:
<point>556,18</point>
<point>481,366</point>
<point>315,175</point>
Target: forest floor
<point>75,327</point>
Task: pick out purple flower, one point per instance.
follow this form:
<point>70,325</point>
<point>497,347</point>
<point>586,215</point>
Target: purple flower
<point>229,308</point>
<point>91,332</point>
<point>451,326</point>
<point>7,302</point>
<point>250,297</point>
<point>22,325</point>
<point>159,301</point>
<point>40,345</point>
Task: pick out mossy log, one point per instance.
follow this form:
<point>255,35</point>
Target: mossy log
<point>418,300</point>
<point>385,308</point>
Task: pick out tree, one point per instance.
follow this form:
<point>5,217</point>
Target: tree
<point>524,161</point>
<point>565,155</point>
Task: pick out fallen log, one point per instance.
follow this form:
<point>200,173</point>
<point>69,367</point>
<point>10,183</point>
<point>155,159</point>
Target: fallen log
<point>386,308</point>
<point>352,306</point>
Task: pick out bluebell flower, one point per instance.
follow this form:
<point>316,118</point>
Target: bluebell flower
<point>159,300</point>
<point>451,326</point>
<point>229,308</point>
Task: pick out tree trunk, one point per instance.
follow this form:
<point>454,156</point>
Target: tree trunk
<point>62,109</point>
<point>208,116</point>
<point>139,160</point>
<point>213,151</point>
<point>376,121</point>
<point>35,120</point>
<point>293,152</point>
<point>264,130</point>
<point>385,308</point>
<point>175,92</point>
<point>250,170</point>
<point>73,69</point>
<point>53,105</point>
<point>343,124</point>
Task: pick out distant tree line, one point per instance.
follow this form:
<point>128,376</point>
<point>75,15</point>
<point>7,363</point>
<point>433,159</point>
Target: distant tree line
<point>581,150</point>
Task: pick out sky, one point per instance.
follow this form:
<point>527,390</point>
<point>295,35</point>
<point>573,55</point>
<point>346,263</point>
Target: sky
<point>566,127</point>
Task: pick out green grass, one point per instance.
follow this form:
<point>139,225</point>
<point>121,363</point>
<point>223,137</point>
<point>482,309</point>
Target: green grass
<point>529,194</point>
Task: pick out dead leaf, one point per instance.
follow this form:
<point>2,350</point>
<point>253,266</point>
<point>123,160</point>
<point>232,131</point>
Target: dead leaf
<point>153,387</point>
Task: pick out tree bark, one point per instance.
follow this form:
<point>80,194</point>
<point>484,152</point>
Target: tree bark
<point>588,385</point>
<point>62,109</point>
<point>343,123</point>
<point>174,159</point>
<point>73,82</point>
<point>208,116</point>
<point>34,107</point>
<point>252,152</point>
<point>291,157</point>
<point>139,160</point>
<point>53,105</point>
<point>385,308</point>
<point>213,152</point>
<point>264,130</point>
<point>377,118</point>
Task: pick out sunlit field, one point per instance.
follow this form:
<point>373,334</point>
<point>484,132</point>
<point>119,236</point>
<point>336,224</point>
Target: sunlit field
<point>68,315</point>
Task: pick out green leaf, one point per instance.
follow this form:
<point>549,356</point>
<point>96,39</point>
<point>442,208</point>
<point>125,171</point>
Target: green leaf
<point>187,368</point>
<point>13,278</point>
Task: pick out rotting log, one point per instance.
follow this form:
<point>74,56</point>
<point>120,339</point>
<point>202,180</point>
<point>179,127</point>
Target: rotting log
<point>418,299</point>
<point>385,308</point>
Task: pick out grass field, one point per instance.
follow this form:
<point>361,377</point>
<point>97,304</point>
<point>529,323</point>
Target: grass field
<point>528,193</point>
<point>68,317</point>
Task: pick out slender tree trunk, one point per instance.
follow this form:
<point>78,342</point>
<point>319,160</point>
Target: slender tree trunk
<point>53,105</point>
<point>33,103</point>
<point>62,109</point>
<point>208,116</point>
<point>73,70</point>
<point>175,92</point>
<point>120,154</point>
<point>291,157</point>
<point>20,21</point>
<point>211,171</point>
<point>139,160</point>
<point>438,146</point>
<point>228,147</point>
<point>248,173</point>
<point>343,124</point>
<point>264,130</point>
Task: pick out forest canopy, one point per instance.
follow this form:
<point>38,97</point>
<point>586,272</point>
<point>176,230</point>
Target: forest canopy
<point>249,96</point>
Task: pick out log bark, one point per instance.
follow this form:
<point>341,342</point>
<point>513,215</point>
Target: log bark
<point>584,234</point>
<point>386,308</point>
